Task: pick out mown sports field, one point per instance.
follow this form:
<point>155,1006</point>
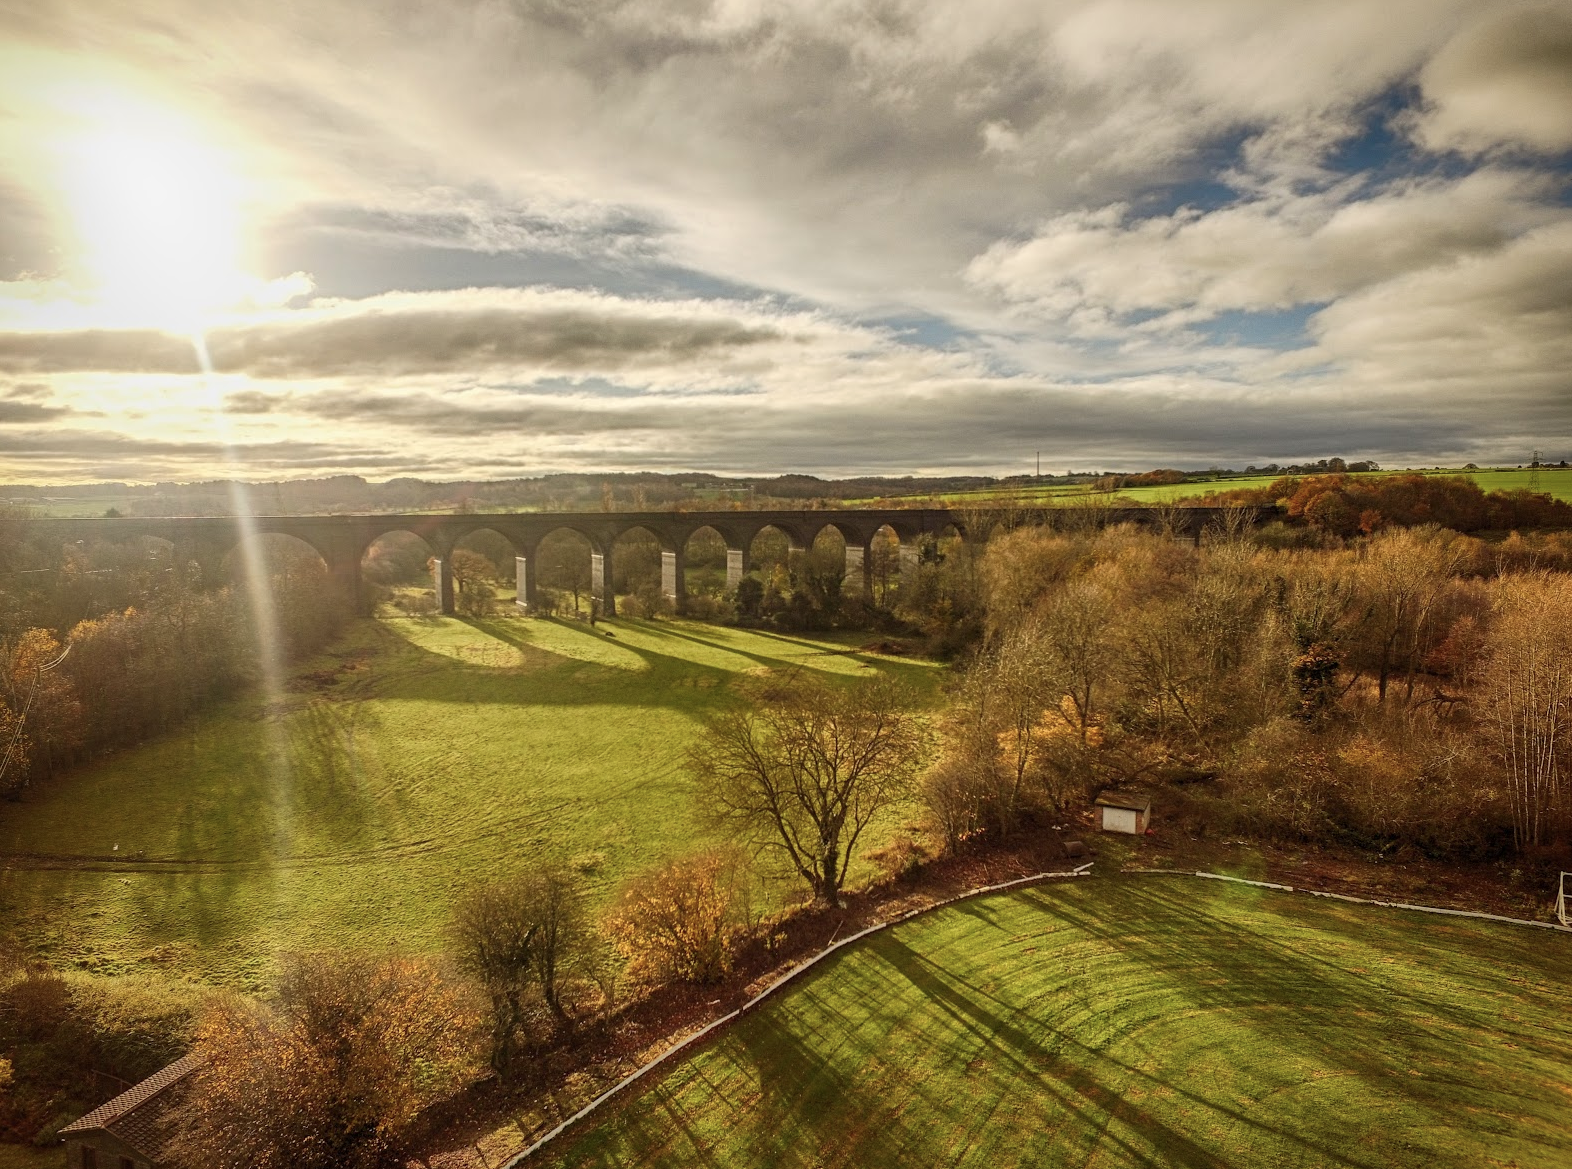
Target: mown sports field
<point>1133,1021</point>
<point>419,755</point>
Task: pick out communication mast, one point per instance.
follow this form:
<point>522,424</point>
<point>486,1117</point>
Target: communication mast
<point>1533,473</point>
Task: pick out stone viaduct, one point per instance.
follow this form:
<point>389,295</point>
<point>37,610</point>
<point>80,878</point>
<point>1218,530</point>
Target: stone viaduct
<point>342,540</point>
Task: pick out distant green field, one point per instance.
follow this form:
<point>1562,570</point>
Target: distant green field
<point>1134,1022</point>
<point>1553,481</point>
<point>417,756</point>
<point>92,505</point>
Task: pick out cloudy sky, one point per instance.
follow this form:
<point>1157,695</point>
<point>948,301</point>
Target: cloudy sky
<point>487,238</point>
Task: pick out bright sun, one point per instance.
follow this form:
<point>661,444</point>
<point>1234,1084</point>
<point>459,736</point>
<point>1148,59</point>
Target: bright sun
<point>155,212</point>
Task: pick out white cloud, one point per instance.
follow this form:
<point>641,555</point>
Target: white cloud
<point>1495,323</point>
<point>746,179</point>
<point>1095,269</point>
<point>1505,80</point>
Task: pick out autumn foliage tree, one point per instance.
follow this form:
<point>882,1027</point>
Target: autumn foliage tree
<point>40,716</point>
<point>678,921</point>
<point>1353,505</point>
<point>1407,688</point>
<point>330,1076</point>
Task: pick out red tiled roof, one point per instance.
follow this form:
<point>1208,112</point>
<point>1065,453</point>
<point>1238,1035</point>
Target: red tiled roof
<point>121,1108</point>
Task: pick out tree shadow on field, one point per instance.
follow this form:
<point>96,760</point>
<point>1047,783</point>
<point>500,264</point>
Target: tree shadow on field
<point>1013,1037</point>
<point>920,678</point>
<point>663,680</point>
<point>622,1141</point>
<point>799,1090</point>
<point>1359,1020</point>
<point>1264,968</point>
<point>327,767</point>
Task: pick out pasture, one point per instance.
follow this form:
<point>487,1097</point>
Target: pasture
<point>1133,1021</point>
<point>1554,481</point>
<point>419,755</point>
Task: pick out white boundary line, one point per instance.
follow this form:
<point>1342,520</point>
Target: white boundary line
<point>795,972</point>
<point>1544,925</point>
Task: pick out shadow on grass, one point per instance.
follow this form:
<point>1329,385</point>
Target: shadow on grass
<point>1380,1028</point>
<point>667,680</point>
<point>1204,1028</point>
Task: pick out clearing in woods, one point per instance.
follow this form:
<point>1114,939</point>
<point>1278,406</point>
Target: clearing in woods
<point>1134,1021</point>
<point>421,754</point>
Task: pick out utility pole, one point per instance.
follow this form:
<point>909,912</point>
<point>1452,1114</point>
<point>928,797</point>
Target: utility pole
<point>1533,473</point>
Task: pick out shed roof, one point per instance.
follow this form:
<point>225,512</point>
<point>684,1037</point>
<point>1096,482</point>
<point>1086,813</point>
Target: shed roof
<point>136,1116</point>
<point>1135,801</point>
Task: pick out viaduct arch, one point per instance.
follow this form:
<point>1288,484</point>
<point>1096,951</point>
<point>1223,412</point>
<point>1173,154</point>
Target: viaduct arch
<point>341,540</point>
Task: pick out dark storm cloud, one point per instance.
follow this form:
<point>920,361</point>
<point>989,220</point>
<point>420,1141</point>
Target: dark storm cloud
<point>250,402</point>
<point>405,337</point>
<point>11,412</point>
<point>29,402</point>
<point>77,450</point>
<point>436,340</point>
<point>1505,79</point>
<point>443,415</point>
<point>105,350</point>
<point>965,425</point>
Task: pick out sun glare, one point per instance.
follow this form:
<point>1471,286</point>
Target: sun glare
<point>155,212</point>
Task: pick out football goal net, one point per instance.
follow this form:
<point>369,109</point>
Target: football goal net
<point>1561,902</point>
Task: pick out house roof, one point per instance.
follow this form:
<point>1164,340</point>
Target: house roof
<point>136,1115</point>
<point>1134,801</point>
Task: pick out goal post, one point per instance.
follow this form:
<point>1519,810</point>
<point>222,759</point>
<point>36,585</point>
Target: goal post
<point>1561,902</point>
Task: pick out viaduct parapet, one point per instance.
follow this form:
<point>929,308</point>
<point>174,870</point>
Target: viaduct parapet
<point>342,540</point>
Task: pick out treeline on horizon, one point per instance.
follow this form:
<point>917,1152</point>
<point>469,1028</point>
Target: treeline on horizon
<point>623,490</point>
<point>626,490</point>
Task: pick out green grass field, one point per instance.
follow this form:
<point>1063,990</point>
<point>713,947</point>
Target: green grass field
<point>1134,1022</point>
<point>1553,481</point>
<point>418,756</point>
<point>26,1157</point>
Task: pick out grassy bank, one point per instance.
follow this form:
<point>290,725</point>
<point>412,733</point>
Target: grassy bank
<point>419,755</point>
<point>1134,1021</point>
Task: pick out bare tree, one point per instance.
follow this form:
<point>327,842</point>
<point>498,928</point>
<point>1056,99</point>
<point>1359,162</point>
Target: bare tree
<point>1230,523</point>
<point>1403,576</point>
<point>514,937</point>
<point>1078,646</point>
<point>806,767</point>
<point>1528,685</point>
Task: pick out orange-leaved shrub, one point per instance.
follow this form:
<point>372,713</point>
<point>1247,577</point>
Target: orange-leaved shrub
<point>678,922</point>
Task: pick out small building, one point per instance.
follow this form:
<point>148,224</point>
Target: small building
<point>133,1130</point>
<point>1129,812</point>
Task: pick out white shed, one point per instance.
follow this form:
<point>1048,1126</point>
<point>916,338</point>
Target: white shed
<point>1129,812</point>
